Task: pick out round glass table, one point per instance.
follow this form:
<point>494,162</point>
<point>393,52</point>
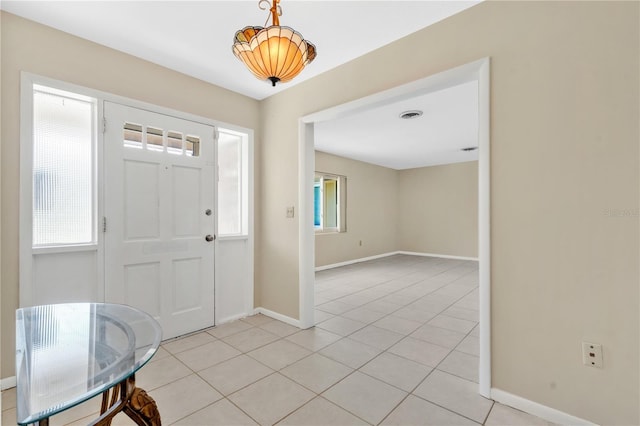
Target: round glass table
<point>69,353</point>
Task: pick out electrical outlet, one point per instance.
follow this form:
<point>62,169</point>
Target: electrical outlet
<point>592,354</point>
<point>290,212</point>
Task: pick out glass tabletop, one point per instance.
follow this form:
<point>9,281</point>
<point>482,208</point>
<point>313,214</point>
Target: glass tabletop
<point>69,353</point>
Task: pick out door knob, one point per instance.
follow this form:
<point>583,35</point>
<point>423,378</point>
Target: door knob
<point>209,238</point>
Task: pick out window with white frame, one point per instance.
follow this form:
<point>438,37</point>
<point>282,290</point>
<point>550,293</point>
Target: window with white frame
<point>329,198</point>
<point>233,180</point>
<point>63,168</point>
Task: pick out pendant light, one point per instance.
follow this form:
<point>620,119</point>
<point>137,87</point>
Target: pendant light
<point>275,53</point>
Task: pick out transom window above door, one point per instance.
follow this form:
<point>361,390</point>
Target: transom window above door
<point>139,136</point>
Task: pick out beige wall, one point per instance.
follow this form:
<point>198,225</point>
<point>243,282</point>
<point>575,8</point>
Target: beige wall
<point>27,46</point>
<point>371,211</point>
<point>564,149</point>
<point>564,161</point>
<point>438,209</point>
<point>426,210</point>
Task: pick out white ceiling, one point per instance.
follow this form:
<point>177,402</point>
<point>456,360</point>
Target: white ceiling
<point>195,38</point>
<point>378,136</point>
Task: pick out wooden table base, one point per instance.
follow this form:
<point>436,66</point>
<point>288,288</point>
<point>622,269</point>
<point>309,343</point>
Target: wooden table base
<point>133,401</point>
<point>142,409</point>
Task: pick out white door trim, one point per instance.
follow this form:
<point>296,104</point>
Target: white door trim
<point>484,223</point>
<point>475,71</point>
<point>26,88</point>
<point>30,78</point>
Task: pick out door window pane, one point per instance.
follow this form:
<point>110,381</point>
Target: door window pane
<point>132,135</point>
<point>63,159</point>
<point>154,139</point>
<point>193,146</point>
<point>174,143</point>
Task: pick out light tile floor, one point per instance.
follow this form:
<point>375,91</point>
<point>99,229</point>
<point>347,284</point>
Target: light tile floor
<point>396,343</point>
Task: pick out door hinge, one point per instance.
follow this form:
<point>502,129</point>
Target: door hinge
<point>104,224</point>
<point>216,134</point>
<point>104,125</point>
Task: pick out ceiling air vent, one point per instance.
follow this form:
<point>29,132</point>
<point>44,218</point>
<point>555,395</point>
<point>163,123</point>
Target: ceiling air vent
<point>469,148</point>
<point>408,115</point>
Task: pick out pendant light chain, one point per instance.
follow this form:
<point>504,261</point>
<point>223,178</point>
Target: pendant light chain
<point>275,11</point>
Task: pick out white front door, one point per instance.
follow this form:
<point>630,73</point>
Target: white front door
<point>159,211</point>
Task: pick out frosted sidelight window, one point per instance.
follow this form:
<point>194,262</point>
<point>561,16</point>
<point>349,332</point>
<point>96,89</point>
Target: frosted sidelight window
<point>63,169</point>
<point>232,183</point>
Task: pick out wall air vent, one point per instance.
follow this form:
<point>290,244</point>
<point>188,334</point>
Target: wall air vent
<point>408,115</point>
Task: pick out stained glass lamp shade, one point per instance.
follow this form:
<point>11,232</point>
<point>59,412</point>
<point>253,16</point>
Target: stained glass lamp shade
<point>275,53</point>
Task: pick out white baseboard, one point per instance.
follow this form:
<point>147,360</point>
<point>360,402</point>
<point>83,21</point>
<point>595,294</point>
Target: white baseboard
<point>536,409</point>
<point>8,383</point>
<point>225,320</point>
<point>351,262</point>
<point>393,253</point>
<point>279,317</point>
<point>443,256</point>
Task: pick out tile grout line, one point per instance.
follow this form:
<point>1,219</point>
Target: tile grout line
<point>450,350</point>
<point>317,351</point>
<point>401,306</point>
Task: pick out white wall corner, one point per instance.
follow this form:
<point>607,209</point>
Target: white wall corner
<point>288,320</point>
<point>537,409</point>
